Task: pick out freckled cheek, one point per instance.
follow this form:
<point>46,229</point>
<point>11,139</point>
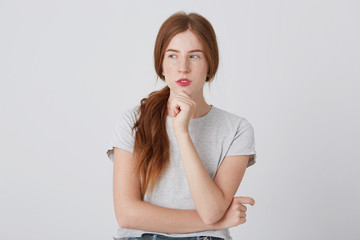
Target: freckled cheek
<point>201,68</point>
<point>169,68</point>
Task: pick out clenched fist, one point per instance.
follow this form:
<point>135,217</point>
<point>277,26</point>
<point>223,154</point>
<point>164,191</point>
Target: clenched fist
<point>236,213</point>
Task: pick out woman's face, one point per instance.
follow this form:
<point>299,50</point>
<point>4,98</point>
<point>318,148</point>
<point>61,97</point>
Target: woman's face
<point>184,59</point>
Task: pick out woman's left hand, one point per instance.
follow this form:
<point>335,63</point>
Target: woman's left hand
<point>182,107</point>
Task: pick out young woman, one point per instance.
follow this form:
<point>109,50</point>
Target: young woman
<point>179,161</point>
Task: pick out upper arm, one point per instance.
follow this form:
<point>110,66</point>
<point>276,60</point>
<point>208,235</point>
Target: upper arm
<point>239,156</point>
<point>230,174</point>
<point>126,182</point>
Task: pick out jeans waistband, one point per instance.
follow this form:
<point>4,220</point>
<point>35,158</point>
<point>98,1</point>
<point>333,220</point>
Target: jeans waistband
<point>161,237</point>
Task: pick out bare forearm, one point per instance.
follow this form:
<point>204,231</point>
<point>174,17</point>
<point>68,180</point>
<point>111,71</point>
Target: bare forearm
<point>207,196</point>
<point>148,217</point>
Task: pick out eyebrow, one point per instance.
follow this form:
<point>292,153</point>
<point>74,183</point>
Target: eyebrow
<point>174,50</point>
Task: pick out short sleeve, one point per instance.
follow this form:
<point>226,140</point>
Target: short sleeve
<point>123,137</point>
<point>243,142</point>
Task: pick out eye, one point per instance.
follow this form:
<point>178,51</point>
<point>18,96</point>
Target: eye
<point>172,56</point>
<point>194,56</point>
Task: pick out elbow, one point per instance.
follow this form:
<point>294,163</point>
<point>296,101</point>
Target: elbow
<point>211,217</point>
<point>214,211</point>
<point>125,216</point>
<point>123,220</point>
<point>210,221</point>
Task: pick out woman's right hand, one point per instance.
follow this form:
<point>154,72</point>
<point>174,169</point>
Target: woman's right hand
<point>236,213</point>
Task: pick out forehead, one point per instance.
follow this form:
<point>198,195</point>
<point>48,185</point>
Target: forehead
<point>185,41</point>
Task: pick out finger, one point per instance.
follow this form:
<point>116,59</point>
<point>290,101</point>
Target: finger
<point>184,103</point>
<point>246,200</point>
<point>179,104</point>
<point>176,110</point>
<point>186,100</point>
<point>243,208</point>
<point>184,93</point>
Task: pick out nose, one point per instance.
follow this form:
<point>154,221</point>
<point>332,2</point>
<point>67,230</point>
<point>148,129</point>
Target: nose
<point>183,65</point>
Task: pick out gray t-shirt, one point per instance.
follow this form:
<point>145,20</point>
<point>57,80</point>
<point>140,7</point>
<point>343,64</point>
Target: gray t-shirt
<point>217,134</point>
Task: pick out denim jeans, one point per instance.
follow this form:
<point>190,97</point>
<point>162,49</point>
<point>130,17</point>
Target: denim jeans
<point>161,237</point>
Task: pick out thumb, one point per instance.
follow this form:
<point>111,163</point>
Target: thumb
<point>245,200</point>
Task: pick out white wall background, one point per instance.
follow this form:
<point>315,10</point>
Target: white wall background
<point>68,69</point>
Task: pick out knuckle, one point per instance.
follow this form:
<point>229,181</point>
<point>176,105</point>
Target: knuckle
<point>241,221</point>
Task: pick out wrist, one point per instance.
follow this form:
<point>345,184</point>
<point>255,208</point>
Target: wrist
<point>216,226</point>
<point>182,134</point>
<point>207,227</point>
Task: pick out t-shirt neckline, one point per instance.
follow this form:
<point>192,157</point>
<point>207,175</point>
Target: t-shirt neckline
<point>200,118</point>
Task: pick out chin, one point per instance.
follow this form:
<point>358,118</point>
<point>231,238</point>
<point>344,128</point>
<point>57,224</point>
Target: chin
<point>185,90</point>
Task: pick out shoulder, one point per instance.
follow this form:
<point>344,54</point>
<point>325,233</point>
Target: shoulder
<point>130,115</point>
<point>126,119</point>
<point>231,119</point>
